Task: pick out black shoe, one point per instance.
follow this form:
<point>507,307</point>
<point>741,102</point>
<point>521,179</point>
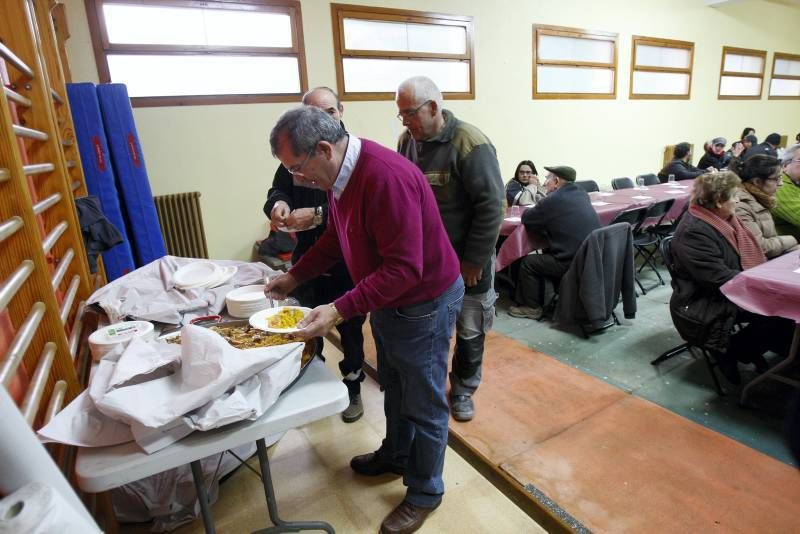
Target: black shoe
<point>373,464</point>
<point>729,368</point>
<point>462,407</point>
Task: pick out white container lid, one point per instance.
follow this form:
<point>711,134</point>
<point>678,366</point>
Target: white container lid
<point>105,339</point>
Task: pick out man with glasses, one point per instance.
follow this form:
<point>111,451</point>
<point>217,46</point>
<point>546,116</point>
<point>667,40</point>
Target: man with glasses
<point>305,210</point>
<point>384,223</point>
<point>461,166</point>
<point>787,211</point>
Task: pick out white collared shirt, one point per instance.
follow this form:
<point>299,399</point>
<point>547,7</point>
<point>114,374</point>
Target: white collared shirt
<point>348,165</point>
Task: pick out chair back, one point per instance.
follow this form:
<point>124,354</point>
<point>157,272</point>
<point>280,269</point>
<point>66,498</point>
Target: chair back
<point>621,183</point>
<point>588,185</point>
<point>658,211</point>
<point>649,179</point>
<point>633,216</point>
<point>666,254</point>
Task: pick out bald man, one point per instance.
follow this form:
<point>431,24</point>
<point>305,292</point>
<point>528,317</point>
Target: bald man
<point>461,166</point>
<point>305,209</point>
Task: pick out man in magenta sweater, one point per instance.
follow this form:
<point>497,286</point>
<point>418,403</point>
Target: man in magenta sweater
<point>384,223</point>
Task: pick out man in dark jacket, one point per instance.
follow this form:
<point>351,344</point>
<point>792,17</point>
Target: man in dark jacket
<point>680,166</point>
<point>306,210</point>
<point>768,147</point>
<point>461,165</point>
<point>564,217</point>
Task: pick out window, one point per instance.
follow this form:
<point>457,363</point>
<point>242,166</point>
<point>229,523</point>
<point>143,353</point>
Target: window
<point>573,63</point>
<point>741,73</point>
<point>661,68</point>
<point>785,82</point>
<point>187,52</point>
<point>376,49</point>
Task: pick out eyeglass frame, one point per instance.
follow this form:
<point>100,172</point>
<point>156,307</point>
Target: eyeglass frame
<point>299,169</point>
<point>408,114</point>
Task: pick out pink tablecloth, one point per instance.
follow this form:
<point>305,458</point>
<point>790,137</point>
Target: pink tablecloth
<point>607,204</point>
<point>772,288</point>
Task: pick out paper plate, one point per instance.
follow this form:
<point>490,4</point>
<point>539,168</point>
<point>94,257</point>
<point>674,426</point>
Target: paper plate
<point>259,320</point>
<point>225,274</point>
<point>196,274</point>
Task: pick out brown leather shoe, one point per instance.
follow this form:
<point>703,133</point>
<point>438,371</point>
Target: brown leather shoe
<point>405,518</point>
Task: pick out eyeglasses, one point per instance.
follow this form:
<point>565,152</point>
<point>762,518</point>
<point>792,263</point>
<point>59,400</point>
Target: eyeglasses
<point>299,168</point>
<point>409,113</point>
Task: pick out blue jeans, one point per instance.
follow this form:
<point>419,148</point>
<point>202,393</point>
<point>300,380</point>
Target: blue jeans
<point>413,343</point>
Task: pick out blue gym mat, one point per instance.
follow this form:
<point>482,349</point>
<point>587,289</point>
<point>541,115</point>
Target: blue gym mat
<point>126,155</point>
<point>98,172</point>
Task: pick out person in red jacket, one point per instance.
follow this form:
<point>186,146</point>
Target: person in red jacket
<point>383,221</point>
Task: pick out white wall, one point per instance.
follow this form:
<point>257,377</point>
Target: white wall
<point>222,150</point>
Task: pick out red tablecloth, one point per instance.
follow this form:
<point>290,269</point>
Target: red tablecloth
<point>772,288</point>
<point>607,204</point>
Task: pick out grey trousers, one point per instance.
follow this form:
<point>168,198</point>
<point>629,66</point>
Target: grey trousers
<point>474,321</point>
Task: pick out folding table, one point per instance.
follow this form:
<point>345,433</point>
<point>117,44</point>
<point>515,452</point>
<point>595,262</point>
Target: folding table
<point>316,395</point>
<point>772,288</point>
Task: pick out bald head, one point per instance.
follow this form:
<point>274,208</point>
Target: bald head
<point>325,99</point>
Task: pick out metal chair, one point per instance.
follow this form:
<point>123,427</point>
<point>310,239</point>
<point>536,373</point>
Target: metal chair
<point>588,185</point>
<point>646,239</point>
<point>621,183</point>
<point>649,179</point>
<point>666,253</point>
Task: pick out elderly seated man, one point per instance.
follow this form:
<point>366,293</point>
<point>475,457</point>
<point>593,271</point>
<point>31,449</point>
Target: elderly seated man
<point>564,217</point>
<point>680,166</point>
<point>716,156</point>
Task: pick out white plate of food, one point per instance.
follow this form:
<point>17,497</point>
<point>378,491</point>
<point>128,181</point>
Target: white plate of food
<point>279,320</point>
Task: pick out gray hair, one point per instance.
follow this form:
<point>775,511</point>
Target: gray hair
<point>423,89</point>
<point>789,154</point>
<point>305,126</point>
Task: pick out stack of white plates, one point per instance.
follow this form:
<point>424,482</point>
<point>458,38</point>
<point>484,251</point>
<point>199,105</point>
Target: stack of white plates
<point>202,275</point>
<point>245,301</point>
<point>103,340</point>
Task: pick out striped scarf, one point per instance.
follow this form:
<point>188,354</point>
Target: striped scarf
<point>737,234</point>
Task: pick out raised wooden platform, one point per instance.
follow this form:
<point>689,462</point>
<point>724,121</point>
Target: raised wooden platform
<point>613,461</point>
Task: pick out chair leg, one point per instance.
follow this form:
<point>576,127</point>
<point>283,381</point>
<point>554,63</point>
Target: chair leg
<point>674,351</point>
<point>720,390</point>
<point>639,283</point>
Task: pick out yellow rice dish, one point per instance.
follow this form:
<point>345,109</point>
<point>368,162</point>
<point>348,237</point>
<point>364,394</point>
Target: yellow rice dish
<point>286,318</point>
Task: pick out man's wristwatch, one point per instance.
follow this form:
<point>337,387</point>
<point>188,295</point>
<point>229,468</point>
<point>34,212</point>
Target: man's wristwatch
<point>318,216</point>
<point>338,319</point>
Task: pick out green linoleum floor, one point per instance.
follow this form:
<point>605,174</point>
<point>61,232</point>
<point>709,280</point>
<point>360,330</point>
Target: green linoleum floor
<point>621,356</point>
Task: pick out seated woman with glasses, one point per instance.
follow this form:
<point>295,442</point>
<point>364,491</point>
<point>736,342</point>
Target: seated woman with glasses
<point>761,178</point>
<point>711,246</point>
<point>524,188</point>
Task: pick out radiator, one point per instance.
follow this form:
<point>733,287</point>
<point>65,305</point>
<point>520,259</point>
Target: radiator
<point>182,224</point>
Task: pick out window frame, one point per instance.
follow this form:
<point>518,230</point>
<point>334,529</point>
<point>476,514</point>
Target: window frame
<point>661,43</point>
<point>339,12</point>
<point>102,48</point>
<point>775,57</point>
<point>722,72</point>
<point>575,33</point>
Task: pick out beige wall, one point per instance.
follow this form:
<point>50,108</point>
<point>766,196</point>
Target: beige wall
<point>222,150</point>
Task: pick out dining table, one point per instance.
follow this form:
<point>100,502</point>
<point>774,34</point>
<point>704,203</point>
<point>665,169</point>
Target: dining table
<point>771,289</point>
<point>608,204</point>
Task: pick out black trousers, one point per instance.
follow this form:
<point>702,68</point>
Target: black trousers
<point>323,290</point>
<point>761,334</point>
<point>534,271</point>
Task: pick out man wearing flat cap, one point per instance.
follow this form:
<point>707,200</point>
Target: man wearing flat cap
<point>564,217</point>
